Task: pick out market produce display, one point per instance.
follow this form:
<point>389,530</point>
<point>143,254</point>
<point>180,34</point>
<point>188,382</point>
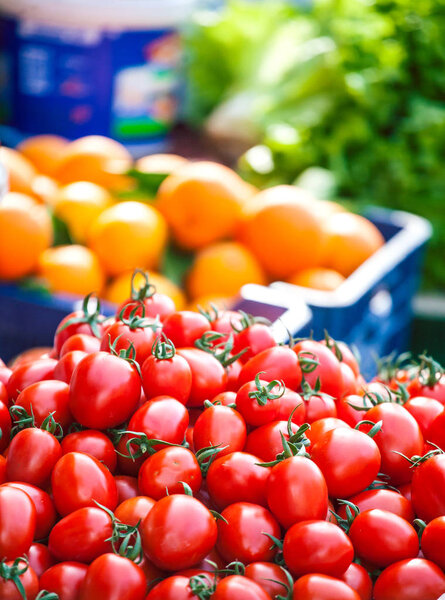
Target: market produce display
<point>342,96</point>
<point>80,216</point>
<point>177,455</point>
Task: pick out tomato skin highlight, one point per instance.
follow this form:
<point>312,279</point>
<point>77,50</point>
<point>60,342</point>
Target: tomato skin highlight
<point>46,397</point>
<point>357,577</point>
<point>317,547</point>
<point>162,473</point>
<point>244,537</point>
<point>93,442</point>
<point>167,376</point>
<point>81,536</point>
<point>79,480</point>
<point>104,391</point>
<point>297,491</point>
<point>112,577</point>
<point>28,373</point>
<point>32,455</point>
<point>433,541</point>
<point>400,432</point>
<point>134,510</point>
<point>338,452</point>
<point>45,511</point>
<point>65,579</point>
<point>322,587</point>
<point>17,522</point>
<point>241,588</point>
<point>428,488</point>
<point>237,477</point>
<point>383,499</point>
<point>178,532</point>
<point>413,579</point>
<point>278,362</point>
<point>40,558</point>
<point>220,425</point>
<point>382,538</point>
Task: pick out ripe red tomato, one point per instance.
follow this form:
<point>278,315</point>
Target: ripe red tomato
<point>121,335</point>
<point>383,499</point>
<point>328,371</point>
<point>269,576</point>
<point>161,418</point>
<point>134,510</point>
<point>224,398</point>
<point>80,341</point>
<point>317,547</point>
<point>346,411</point>
<point>436,431</point>
<point>343,352</point>
<point>169,376</point>
<point>44,398</point>
<point>65,579</point>
<point>104,391</point>
<point>350,385</point>
<point>67,365</point>
<point>241,588</point>
<point>265,441</point>
<point>91,441</point>
<point>320,407</point>
<point>382,538</point>
<point>184,327</point>
<point>155,305</point>
<point>297,491</point>
<point>127,487</point>
<point>357,577</point>
<point>79,480</point>
<point>176,587</point>
<point>28,579</point>
<point>245,536</point>
<point>255,338</point>
<point>112,577</point>
<point>279,363</point>
<point>81,536</point>
<point>220,426</point>
<point>436,391</point>
<point>258,402</point>
<point>28,373</point>
<point>322,587</point>
<point>410,580</point>
<point>432,542</point>
<point>424,410</point>
<point>32,455</point>
<point>163,473</point>
<point>322,426</point>
<point>45,511</point>
<point>2,468</point>
<point>209,377</point>
<point>4,394</point>
<point>17,522</point>
<point>291,402</point>
<point>40,558</point>
<point>237,477</point>
<point>399,433</point>
<point>349,460</point>
<point>178,532</point>
<point>428,488</point>
<point>5,426</point>
<point>88,321</point>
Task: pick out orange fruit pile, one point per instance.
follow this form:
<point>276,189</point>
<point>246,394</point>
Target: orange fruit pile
<point>234,233</point>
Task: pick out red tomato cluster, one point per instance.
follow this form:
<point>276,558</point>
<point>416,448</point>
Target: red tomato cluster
<point>164,455</point>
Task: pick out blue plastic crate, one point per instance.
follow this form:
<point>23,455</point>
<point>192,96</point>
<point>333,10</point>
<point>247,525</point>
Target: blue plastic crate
<point>371,309</point>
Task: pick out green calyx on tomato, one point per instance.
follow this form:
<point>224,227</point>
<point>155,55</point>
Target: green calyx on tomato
<point>91,315</point>
<point>147,290</point>
<point>23,420</point>
<point>13,573</point>
<point>264,393</point>
<point>163,348</point>
<point>352,510</point>
<point>222,350</point>
<point>205,457</point>
<point>128,354</point>
<point>136,320</point>
<point>144,444</point>
<point>125,539</point>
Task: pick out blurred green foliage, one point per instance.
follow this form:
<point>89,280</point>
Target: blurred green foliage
<point>356,87</point>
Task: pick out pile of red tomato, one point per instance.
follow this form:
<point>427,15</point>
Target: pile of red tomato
<point>164,455</point>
